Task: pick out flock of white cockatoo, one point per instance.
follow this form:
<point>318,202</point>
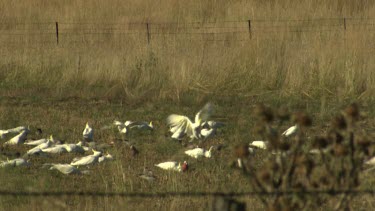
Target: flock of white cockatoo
<point>180,127</point>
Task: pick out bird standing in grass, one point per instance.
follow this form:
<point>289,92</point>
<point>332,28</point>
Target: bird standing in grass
<point>290,131</point>
<point>13,130</point>
<point>15,162</point>
<point>87,160</point>
<point>199,152</point>
<point>173,166</point>
<point>88,133</point>
<point>181,125</point>
<point>41,141</point>
<point>38,149</point>
<point>65,168</point>
<point>103,158</point>
<point>57,149</point>
<point>123,128</point>
<point>259,144</point>
<point>18,139</point>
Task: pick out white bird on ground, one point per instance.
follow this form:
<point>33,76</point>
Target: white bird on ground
<point>66,169</point>
<point>39,148</point>
<point>18,139</point>
<point>123,127</point>
<point>181,125</point>
<point>290,131</point>
<point>209,128</point>
<point>13,130</point>
<point>36,142</point>
<point>199,152</point>
<point>78,148</point>
<point>15,162</point>
<point>207,133</point>
<point>88,132</point>
<point>41,141</point>
<point>105,157</point>
<point>173,166</point>
<point>143,125</point>
<point>259,144</point>
<point>87,160</point>
<point>57,149</point>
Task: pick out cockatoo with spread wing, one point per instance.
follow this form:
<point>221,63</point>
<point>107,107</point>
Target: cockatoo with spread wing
<point>181,125</point>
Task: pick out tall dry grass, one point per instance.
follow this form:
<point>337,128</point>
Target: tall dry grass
<point>315,63</point>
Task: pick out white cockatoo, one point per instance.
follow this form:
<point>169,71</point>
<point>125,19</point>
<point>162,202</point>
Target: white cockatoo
<point>181,125</point>
<point>199,152</point>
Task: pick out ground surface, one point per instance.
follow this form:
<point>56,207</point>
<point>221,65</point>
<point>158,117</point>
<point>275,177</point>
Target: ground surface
<point>66,120</point>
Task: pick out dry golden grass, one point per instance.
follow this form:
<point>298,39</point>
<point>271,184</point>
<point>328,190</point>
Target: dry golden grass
<point>315,63</point>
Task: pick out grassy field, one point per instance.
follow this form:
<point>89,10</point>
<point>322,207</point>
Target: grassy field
<point>321,61</point>
<point>65,120</point>
<point>103,77</point>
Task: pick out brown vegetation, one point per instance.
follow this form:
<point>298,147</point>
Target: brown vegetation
<point>95,58</point>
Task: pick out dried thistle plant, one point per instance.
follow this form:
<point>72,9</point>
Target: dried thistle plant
<point>328,162</point>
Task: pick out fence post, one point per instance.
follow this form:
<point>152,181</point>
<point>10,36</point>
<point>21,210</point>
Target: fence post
<point>345,24</point>
<point>249,24</point>
<point>57,32</point>
<point>148,33</point>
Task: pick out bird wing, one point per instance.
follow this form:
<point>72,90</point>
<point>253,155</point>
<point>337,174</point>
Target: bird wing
<point>204,113</point>
<point>117,123</point>
<point>180,125</point>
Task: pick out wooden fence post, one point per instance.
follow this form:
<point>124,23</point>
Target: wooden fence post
<point>249,24</point>
<point>345,24</point>
<point>57,32</point>
<point>148,33</point>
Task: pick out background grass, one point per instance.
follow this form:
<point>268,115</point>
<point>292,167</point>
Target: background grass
<point>322,62</point>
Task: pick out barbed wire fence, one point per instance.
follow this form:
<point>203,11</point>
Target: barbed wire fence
<point>183,194</point>
<point>61,33</point>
